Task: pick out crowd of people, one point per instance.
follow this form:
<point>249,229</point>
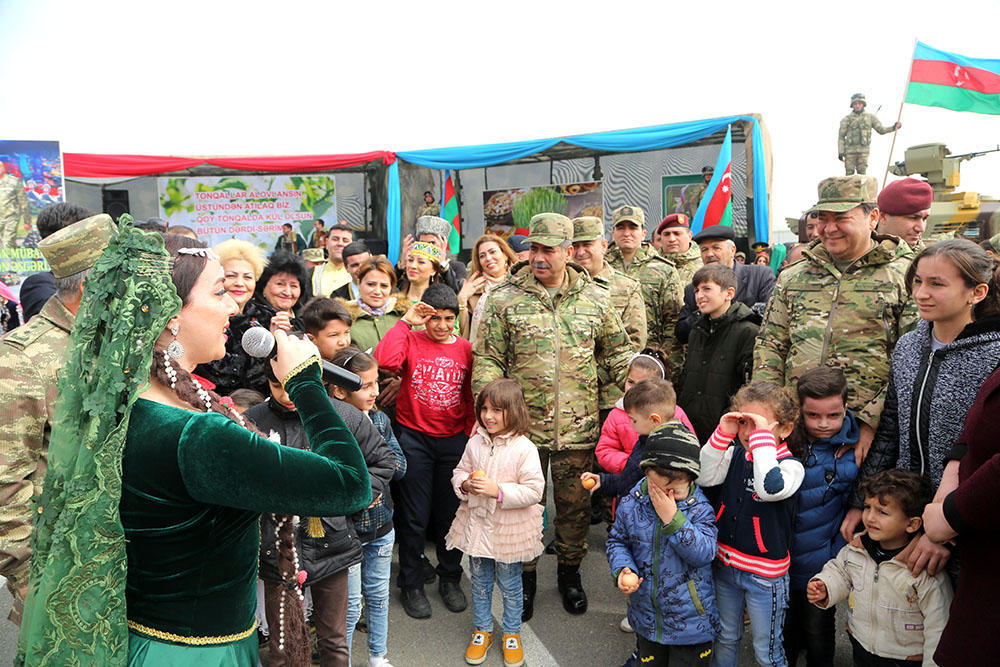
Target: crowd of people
<point>765,439</point>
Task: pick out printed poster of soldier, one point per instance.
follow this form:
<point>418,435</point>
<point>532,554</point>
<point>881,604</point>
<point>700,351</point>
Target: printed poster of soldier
<point>507,212</point>
<point>31,178</point>
<point>251,208</point>
<point>677,193</point>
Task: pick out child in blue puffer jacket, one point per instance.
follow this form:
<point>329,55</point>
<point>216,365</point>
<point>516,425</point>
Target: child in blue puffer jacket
<point>828,433</point>
<point>661,548</point>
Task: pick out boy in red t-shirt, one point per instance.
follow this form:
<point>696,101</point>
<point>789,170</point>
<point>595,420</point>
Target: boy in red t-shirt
<point>435,411</point>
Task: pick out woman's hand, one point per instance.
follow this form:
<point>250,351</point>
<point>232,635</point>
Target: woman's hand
<point>474,283</point>
<point>928,555</point>
<point>292,351</point>
<point>850,523</point>
<point>281,322</point>
<point>936,526</point>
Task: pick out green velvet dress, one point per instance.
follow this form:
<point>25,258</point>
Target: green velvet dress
<point>194,485</point>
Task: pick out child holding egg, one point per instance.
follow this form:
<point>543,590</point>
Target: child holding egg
<point>499,482</point>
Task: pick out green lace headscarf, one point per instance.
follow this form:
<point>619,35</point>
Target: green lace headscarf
<point>75,610</point>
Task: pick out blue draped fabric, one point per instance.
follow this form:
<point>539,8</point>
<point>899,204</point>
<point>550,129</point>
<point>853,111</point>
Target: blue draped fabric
<point>618,141</point>
<point>393,229</point>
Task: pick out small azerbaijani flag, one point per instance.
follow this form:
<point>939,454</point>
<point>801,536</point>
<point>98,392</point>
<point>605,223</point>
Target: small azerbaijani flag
<point>449,211</point>
<point>716,207</point>
<point>948,80</point>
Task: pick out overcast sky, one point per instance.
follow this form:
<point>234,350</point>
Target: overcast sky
<point>259,78</point>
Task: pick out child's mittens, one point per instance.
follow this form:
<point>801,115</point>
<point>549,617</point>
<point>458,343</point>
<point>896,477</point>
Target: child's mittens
<point>628,581</point>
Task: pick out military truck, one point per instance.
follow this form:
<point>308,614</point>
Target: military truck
<point>968,215</point>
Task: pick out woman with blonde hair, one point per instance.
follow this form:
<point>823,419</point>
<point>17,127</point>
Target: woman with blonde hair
<point>243,263</point>
<point>491,259</point>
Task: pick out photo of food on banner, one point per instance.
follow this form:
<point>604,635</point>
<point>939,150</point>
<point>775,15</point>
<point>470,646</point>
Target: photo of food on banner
<point>508,211</point>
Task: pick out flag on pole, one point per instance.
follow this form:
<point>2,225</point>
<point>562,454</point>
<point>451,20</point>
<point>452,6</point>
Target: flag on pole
<point>716,207</point>
<point>948,80</point>
<point>449,211</point>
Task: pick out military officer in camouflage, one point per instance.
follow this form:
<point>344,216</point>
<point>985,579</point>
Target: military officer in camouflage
<point>694,193</point>
<point>676,246</point>
<point>13,206</point>
<point>903,209</point>
<point>589,249</point>
<point>662,290</point>
<point>30,358</point>
<point>844,304</point>
<point>855,136</point>
<point>549,327</point>
<point>429,207</point>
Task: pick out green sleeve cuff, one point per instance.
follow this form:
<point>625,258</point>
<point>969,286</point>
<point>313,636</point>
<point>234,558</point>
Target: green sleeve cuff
<point>616,573</point>
<point>675,523</point>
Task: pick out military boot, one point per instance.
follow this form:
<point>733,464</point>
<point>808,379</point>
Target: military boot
<point>571,588</point>
<point>529,583</point>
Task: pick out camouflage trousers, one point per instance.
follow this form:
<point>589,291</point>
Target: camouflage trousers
<point>572,520</point>
<point>17,609</point>
<point>8,230</point>
<point>856,163</point>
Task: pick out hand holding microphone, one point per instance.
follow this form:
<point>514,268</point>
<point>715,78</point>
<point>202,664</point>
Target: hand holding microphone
<point>287,352</point>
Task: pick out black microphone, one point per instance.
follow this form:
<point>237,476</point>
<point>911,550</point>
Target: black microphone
<point>259,342</point>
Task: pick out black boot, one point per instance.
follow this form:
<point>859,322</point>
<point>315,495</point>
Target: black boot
<point>529,582</point>
<point>574,599</point>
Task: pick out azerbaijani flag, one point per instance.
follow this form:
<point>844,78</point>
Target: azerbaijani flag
<point>716,207</point>
<point>449,211</point>
<point>948,80</point>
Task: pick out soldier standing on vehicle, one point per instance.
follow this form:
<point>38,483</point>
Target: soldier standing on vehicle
<point>661,285</point>
<point>549,327</point>
<point>844,305</point>
<point>30,359</point>
<point>694,193</point>
<point>855,136</point>
<point>13,206</point>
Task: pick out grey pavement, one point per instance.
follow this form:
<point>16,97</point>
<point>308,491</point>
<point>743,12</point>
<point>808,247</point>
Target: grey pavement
<point>552,637</point>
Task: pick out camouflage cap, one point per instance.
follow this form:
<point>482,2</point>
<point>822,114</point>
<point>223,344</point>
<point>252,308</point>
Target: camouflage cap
<point>313,255</point>
<point>674,447</point>
<point>550,229</point>
<point>75,248</point>
<point>842,193</point>
<point>588,228</point>
<point>629,213</point>
<point>858,97</point>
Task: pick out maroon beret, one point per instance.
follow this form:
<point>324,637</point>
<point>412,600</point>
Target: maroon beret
<point>905,196</point>
<point>674,220</point>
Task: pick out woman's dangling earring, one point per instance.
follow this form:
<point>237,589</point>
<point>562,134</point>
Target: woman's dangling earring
<point>175,349</point>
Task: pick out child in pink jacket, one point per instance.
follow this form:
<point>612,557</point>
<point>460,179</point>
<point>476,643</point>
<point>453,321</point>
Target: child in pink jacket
<point>617,435</point>
<point>498,524</point>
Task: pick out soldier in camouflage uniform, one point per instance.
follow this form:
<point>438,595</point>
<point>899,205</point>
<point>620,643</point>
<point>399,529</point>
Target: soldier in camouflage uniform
<point>428,207</point>
<point>855,136</point>
<point>30,358</point>
<point>844,305</point>
<point>13,206</point>
<point>694,193</point>
<point>549,327</point>
<point>662,289</point>
<point>903,209</point>
<point>589,249</point>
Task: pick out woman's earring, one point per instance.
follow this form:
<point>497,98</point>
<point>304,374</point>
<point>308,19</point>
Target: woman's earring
<point>175,349</point>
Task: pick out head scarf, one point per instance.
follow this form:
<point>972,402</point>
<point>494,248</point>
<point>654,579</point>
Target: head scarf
<point>75,611</point>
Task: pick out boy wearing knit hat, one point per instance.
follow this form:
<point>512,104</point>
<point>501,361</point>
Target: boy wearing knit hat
<point>660,550</point>
<point>903,209</point>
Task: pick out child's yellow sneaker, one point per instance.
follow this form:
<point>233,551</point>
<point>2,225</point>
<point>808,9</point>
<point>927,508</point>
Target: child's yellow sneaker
<point>481,642</point>
<point>513,652</point>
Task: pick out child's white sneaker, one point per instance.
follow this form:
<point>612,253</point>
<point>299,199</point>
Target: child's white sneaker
<point>380,661</point>
<point>625,626</point>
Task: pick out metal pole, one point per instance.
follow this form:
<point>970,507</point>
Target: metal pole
<point>899,117</point>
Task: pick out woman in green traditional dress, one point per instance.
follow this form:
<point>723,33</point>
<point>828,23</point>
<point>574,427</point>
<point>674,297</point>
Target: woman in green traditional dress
<point>146,540</point>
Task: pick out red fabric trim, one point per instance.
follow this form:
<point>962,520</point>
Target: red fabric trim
<point>756,564</point>
<point>722,508</point>
<point>305,163</point>
<point>98,165</point>
<point>944,73</point>
<point>757,534</point>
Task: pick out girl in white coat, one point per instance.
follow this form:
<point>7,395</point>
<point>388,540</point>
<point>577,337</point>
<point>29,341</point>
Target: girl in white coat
<point>499,522</point>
